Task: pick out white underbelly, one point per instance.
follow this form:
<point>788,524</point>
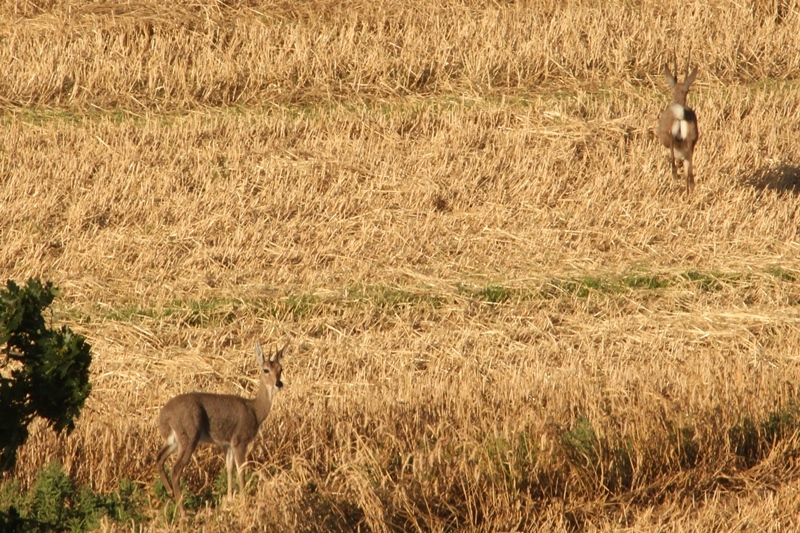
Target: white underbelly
<point>680,153</point>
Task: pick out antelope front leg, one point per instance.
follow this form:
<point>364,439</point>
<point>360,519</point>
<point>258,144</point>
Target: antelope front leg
<point>229,463</point>
<point>672,162</point>
<point>241,458</point>
<point>689,176</point>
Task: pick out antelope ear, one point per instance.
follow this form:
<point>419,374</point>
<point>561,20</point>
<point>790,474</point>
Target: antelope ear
<point>280,353</point>
<point>690,79</point>
<point>670,76</point>
<point>259,353</point>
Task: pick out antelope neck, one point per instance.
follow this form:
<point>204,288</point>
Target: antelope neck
<point>263,401</point>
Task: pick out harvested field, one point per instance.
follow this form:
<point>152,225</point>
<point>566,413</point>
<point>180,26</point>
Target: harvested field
<point>504,313</point>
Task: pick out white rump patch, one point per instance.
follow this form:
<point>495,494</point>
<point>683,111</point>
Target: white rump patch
<point>172,441</point>
<point>680,127</point>
<point>677,111</point>
<point>680,130</point>
<point>684,129</point>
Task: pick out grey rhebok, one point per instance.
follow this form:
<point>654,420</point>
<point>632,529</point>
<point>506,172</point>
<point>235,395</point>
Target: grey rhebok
<point>677,128</point>
<point>229,421</point>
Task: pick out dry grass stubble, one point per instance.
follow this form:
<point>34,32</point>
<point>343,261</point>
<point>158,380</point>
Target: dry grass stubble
<point>198,53</point>
<point>504,314</point>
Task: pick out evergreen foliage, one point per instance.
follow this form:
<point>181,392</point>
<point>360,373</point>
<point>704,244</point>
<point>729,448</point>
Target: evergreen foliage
<point>43,372</point>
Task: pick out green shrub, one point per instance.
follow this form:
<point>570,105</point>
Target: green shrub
<point>46,371</point>
<point>56,503</point>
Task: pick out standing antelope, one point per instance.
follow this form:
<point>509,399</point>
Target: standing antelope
<point>229,421</point>
<point>677,128</point>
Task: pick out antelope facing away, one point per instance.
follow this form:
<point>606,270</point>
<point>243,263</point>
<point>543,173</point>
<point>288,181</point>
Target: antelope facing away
<point>677,128</point>
<point>227,420</point>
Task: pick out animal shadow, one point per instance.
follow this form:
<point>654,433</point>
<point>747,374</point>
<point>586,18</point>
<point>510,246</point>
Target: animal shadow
<point>781,178</point>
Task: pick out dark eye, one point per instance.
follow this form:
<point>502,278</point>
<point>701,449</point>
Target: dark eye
<point>266,370</point>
